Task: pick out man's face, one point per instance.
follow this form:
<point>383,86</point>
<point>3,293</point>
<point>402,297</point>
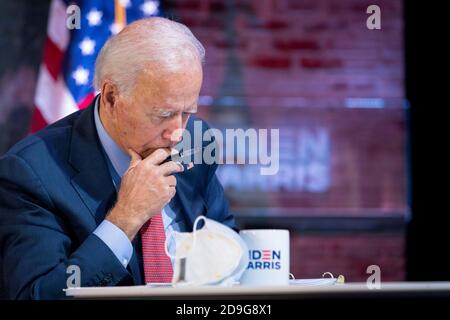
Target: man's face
<point>157,108</point>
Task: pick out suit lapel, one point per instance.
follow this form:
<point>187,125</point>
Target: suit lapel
<point>92,181</point>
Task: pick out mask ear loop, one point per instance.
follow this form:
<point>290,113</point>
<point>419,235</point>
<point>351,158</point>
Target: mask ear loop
<point>193,245</point>
<point>194,241</point>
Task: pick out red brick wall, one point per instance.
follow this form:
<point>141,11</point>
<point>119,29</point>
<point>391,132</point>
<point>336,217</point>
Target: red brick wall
<point>349,255</point>
<point>301,64</point>
<point>294,64</point>
<point>365,160</point>
<point>310,49</point>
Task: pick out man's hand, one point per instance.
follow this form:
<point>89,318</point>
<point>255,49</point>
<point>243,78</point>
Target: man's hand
<point>146,187</point>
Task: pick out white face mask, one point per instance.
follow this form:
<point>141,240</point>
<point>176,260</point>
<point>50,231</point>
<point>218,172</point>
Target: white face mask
<point>214,254</point>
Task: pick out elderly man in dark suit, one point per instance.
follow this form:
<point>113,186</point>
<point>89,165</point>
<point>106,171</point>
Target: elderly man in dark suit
<point>92,192</point>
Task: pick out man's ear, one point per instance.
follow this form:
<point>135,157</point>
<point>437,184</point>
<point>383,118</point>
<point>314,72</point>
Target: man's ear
<point>109,96</point>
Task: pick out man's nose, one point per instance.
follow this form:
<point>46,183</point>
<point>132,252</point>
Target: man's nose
<point>174,130</point>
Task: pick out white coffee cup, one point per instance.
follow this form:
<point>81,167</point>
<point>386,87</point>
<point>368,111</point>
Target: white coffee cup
<point>268,254</point>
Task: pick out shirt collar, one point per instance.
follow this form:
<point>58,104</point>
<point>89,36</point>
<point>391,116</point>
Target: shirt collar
<point>119,159</point>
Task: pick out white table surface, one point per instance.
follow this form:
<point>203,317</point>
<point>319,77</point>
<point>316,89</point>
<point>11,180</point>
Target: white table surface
<point>167,292</point>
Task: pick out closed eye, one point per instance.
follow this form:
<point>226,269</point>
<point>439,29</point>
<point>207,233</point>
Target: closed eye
<point>165,114</point>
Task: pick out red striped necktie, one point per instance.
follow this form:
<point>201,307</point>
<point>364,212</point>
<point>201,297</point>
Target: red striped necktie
<point>157,265</point>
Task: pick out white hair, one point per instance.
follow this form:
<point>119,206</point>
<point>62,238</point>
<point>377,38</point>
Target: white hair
<point>171,44</point>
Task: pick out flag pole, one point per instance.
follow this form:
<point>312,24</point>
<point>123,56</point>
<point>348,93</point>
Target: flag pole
<point>120,14</point>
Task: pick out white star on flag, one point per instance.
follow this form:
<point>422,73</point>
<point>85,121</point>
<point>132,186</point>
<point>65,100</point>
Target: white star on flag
<point>149,8</point>
<point>87,46</point>
<point>94,17</point>
<point>81,75</point>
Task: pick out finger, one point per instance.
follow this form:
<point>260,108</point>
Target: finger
<point>135,158</point>
<point>169,193</point>
<point>170,167</point>
<point>158,156</point>
<point>171,181</point>
<point>173,191</point>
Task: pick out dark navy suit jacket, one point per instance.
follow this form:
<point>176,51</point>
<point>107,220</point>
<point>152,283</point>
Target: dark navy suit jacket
<point>55,189</point>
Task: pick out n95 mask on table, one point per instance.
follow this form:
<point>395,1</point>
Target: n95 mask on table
<point>213,255</point>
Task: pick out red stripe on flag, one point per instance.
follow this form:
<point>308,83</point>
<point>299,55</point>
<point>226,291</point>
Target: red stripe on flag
<point>37,122</point>
<point>53,58</point>
<point>86,101</point>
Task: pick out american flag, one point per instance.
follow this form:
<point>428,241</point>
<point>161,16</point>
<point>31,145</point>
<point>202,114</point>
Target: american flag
<point>65,82</point>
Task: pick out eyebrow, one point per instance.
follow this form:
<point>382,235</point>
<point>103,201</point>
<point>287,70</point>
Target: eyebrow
<point>191,109</point>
